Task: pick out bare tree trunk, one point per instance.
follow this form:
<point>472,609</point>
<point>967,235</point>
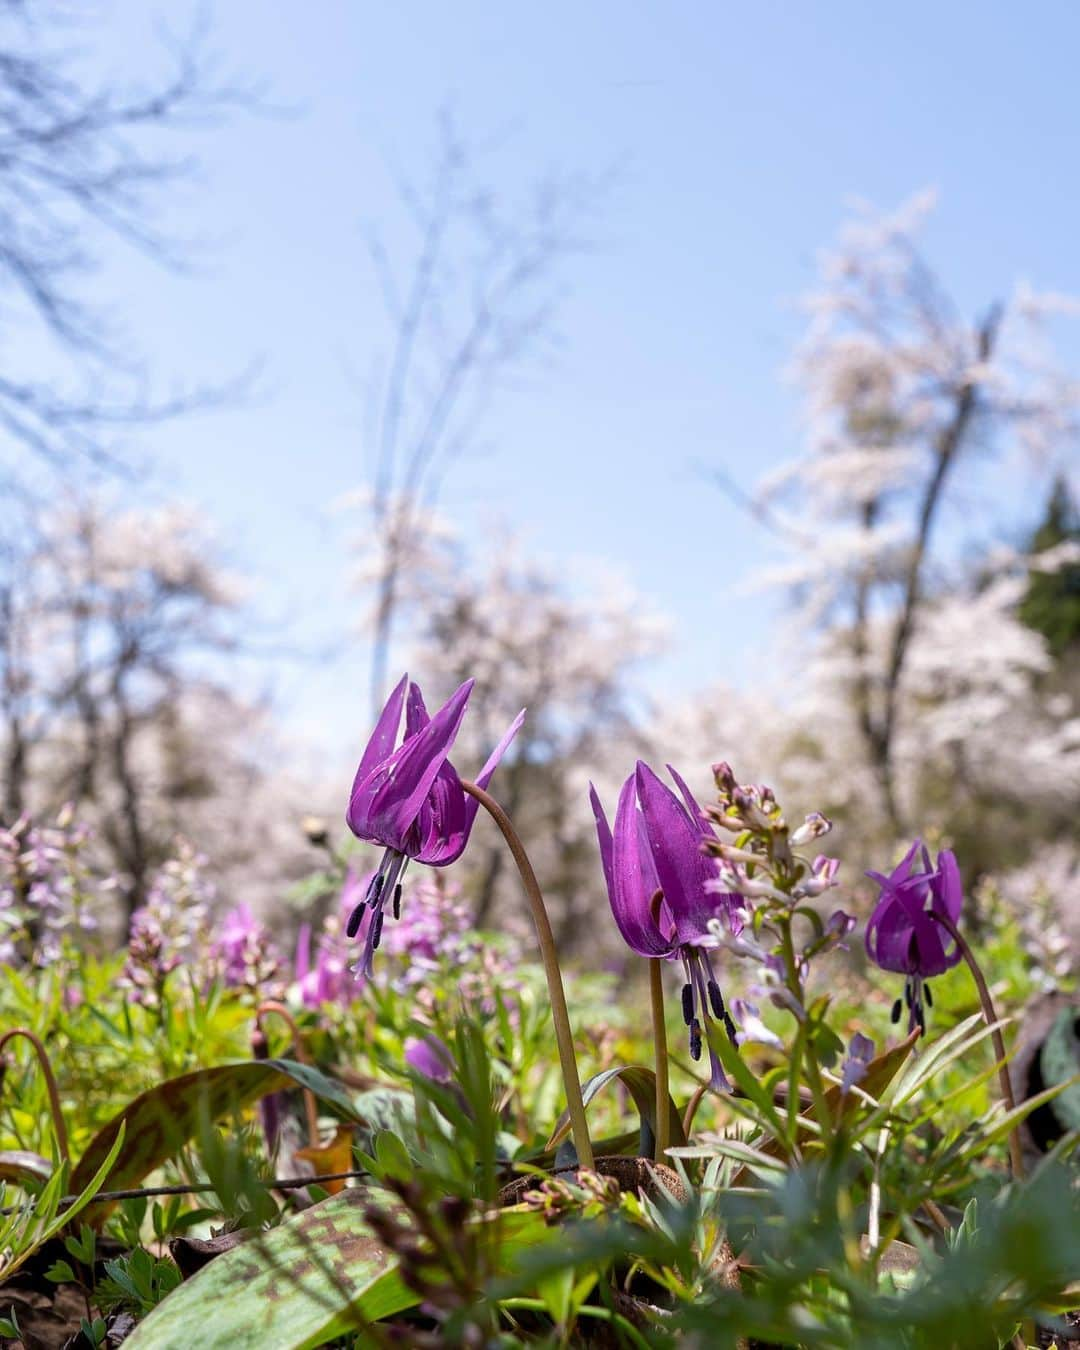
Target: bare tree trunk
<point>88,711</point>
<point>129,831</point>
<point>879,731</point>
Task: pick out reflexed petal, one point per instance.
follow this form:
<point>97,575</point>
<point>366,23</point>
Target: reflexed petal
<point>483,778</point>
<point>381,744</point>
<point>634,879</point>
<point>385,806</point>
<point>696,813</point>
<point>416,714</point>
<point>603,834</point>
<point>682,867</point>
<point>947,888</point>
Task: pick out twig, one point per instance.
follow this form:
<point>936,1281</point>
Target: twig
<point>201,1187</point>
<point>549,955</point>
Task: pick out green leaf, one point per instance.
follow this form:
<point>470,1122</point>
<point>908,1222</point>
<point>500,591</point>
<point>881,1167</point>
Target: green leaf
<point>60,1272</point>
<point>160,1121</point>
<point>48,1217</point>
<point>392,1157</point>
<point>316,1277</point>
<point>640,1082</point>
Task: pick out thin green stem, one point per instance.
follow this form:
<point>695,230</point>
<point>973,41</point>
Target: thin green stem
<point>660,1056</point>
<point>560,1016</point>
<point>59,1127</point>
<point>1016,1154</point>
<point>813,1069</point>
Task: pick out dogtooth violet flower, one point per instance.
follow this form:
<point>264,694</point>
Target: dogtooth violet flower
<point>656,874</point>
<point>410,799</point>
<point>901,936</point>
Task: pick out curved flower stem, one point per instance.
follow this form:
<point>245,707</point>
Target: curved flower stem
<point>1016,1155</point>
<point>311,1108</point>
<point>548,954</point>
<point>692,1108</point>
<point>656,994</point>
<point>59,1128</point>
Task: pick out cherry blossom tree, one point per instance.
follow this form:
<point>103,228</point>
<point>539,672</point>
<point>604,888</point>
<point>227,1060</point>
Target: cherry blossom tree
<point>907,401</point>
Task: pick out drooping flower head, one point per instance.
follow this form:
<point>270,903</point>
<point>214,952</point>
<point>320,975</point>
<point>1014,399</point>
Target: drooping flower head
<point>901,936</point>
<point>657,874</point>
<point>410,799</point>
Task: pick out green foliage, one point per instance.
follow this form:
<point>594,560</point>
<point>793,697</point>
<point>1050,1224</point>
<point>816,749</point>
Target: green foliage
<point>825,1196</point>
<point>1051,605</point>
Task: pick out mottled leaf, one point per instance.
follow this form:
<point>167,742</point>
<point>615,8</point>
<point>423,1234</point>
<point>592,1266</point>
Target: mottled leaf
<point>316,1277</point>
<point>161,1120</point>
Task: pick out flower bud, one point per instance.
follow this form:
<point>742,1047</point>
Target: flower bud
<point>813,827</point>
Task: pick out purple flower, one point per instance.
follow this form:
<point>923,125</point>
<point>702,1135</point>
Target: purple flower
<point>657,874</point>
<point>323,982</point>
<point>244,950</point>
<point>411,800</point>
<point>901,936</point>
<point>860,1053</point>
<point>429,1056</point>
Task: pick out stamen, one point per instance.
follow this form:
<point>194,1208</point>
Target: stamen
<point>896,1009</point>
<point>716,1000</point>
<point>355,919</point>
<point>730,1027</point>
<point>375,889</point>
<point>397,901</point>
<point>926,995</point>
<point>695,1039</point>
<point>376,927</point>
<point>688,1004</point>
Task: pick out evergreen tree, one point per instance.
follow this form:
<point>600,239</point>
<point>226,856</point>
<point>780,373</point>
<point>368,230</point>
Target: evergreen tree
<point>1052,603</point>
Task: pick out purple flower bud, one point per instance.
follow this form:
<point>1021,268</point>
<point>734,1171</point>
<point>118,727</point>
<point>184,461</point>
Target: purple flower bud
<point>429,1056</point>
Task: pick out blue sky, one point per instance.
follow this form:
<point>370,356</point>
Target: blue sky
<point>738,132</point>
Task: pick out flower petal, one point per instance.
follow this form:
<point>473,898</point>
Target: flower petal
<point>696,813</point>
<point>380,746</point>
<point>442,827</point>
<point>385,806</point>
<point>634,879</point>
<point>675,841</point>
<point>947,888</point>
<point>416,714</point>
<point>483,778</point>
<point>603,835</point>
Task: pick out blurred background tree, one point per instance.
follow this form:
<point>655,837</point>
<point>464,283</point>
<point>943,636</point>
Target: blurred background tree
<point>926,676</point>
